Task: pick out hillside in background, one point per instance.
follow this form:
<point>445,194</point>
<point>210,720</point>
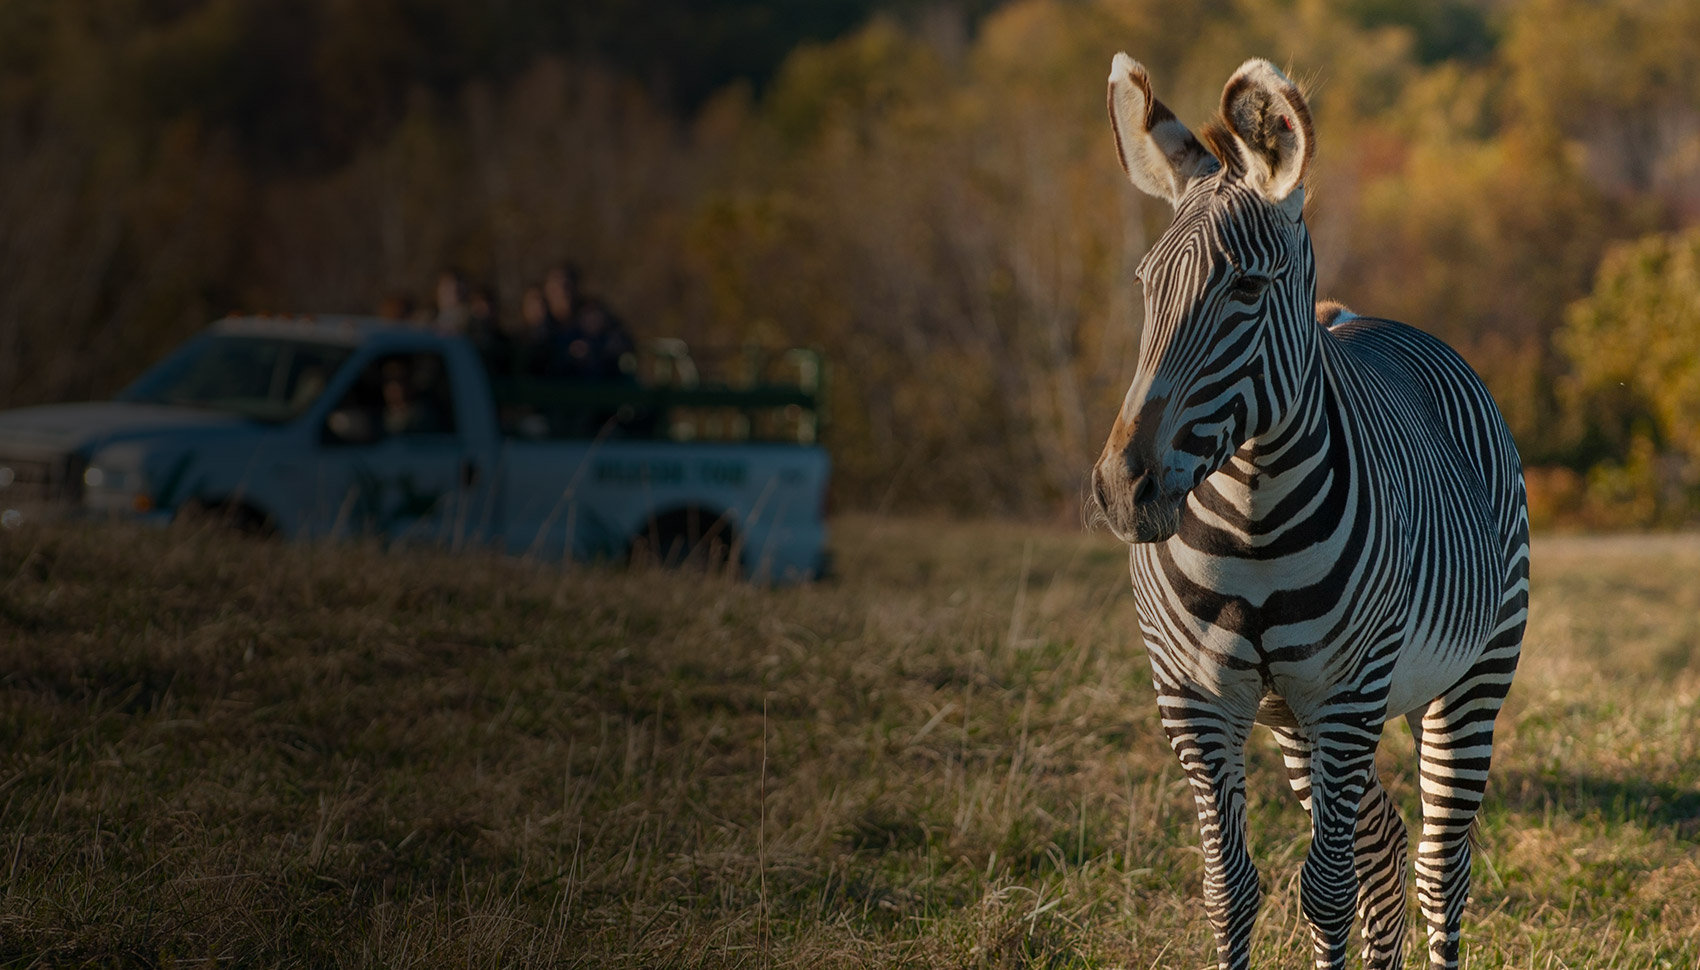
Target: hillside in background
<point>926,190</point>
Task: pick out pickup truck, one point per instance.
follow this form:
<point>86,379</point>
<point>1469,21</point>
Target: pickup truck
<point>346,426</point>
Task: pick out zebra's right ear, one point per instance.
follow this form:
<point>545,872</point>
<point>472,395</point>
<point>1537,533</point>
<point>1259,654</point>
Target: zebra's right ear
<point>1158,153</point>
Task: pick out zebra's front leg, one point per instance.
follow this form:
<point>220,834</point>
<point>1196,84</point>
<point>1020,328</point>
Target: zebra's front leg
<point>1341,772</point>
<point>1379,856</point>
<point>1209,735</point>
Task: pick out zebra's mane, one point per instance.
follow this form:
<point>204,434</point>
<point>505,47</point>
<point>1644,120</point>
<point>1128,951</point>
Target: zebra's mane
<point>1332,312</point>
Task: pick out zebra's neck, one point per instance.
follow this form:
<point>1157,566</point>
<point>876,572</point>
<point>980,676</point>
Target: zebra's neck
<point>1269,492</point>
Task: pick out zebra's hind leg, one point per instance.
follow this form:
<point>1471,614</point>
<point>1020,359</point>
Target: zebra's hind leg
<point>1454,747</point>
<point>1210,742</point>
<point>1379,856</point>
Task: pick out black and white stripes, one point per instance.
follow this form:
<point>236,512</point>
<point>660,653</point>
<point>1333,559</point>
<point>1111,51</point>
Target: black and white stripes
<point>1327,530</point>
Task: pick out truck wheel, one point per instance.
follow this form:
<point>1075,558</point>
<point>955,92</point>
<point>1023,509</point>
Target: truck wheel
<point>235,516</point>
<point>689,538</point>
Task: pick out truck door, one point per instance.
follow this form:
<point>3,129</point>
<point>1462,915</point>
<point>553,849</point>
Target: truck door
<point>395,461</point>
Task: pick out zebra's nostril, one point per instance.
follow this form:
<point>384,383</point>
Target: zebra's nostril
<point>1098,490</point>
<point>1144,488</point>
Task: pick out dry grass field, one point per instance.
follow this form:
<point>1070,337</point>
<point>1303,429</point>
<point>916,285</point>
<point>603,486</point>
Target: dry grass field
<point>224,751</point>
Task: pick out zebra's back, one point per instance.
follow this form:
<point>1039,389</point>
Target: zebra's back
<point>1445,393</point>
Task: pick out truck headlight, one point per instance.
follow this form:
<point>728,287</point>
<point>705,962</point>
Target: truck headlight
<point>108,479</point>
<point>115,488</point>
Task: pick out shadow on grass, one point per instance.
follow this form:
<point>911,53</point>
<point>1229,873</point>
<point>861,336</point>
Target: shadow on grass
<point>1612,800</point>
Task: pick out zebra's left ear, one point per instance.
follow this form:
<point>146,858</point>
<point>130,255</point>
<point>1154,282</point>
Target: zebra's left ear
<point>1272,131</point>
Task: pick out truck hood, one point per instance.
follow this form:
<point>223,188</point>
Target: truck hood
<point>61,428</point>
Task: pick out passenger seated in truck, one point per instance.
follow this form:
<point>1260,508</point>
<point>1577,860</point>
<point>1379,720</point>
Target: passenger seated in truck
<point>451,318</point>
<point>560,292</point>
<point>494,344</point>
<point>531,338</point>
<point>593,345</point>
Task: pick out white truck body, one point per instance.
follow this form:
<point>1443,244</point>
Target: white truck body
<point>459,482</point>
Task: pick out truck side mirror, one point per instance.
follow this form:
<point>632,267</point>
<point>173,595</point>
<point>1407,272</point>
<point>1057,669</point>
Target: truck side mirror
<point>350,426</point>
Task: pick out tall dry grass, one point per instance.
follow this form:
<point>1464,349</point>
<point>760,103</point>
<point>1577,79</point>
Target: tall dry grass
<point>265,754</point>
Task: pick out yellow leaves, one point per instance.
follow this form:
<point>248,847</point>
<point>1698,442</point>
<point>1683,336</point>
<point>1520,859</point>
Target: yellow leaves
<point>1621,80</point>
<point>877,73</point>
<point>1448,104</point>
<point>1640,329</point>
<point>1573,58</point>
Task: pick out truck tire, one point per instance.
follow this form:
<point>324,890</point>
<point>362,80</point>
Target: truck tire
<point>687,538</point>
<point>238,517</point>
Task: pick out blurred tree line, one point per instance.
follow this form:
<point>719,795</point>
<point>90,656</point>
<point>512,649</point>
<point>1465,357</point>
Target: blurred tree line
<point>926,189</point>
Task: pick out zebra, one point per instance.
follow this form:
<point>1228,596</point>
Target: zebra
<point>1327,529</point>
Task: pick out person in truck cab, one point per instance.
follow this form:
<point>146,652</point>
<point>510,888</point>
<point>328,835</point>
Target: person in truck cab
<point>399,415</point>
<point>399,394</point>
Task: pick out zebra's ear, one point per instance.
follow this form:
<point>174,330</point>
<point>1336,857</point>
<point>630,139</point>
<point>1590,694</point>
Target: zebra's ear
<point>1158,153</point>
<point>1272,130</point>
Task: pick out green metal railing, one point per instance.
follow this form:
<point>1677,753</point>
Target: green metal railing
<point>674,402</point>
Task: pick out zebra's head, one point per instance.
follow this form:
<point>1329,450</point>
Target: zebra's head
<point>1229,290</point>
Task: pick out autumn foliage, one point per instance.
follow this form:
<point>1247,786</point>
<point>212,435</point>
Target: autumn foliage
<point>931,197</point>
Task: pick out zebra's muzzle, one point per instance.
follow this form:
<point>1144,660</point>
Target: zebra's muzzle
<point>1135,506</point>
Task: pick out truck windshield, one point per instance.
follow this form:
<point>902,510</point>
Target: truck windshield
<point>266,378</point>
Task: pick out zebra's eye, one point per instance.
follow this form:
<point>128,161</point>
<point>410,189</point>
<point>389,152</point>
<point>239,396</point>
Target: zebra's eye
<point>1249,288</point>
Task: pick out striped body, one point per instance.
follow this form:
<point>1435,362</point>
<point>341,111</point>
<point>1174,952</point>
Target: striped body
<point>1393,512</point>
<point>1327,530</point>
